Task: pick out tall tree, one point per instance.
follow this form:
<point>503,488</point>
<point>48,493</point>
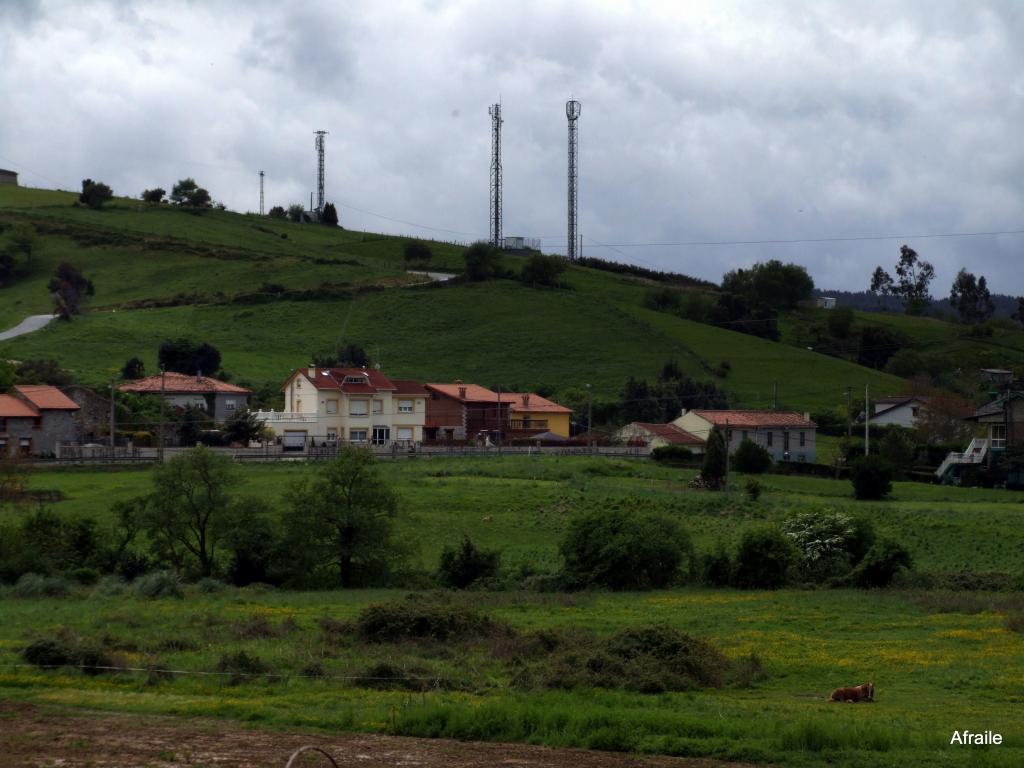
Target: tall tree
<point>970,297</point>
<point>913,277</point>
<point>715,459</point>
<point>190,509</point>
<point>330,215</point>
<point>343,516</point>
<point>1019,314</point>
<point>94,193</point>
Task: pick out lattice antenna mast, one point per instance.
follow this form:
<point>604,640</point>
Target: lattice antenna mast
<point>495,112</point>
<point>572,112</point>
<point>320,173</point>
<point>261,193</point>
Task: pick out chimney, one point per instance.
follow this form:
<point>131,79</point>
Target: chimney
<point>682,413</point>
<point>526,400</point>
<point>312,372</point>
<point>807,415</point>
<point>462,393</point>
<point>199,377</point>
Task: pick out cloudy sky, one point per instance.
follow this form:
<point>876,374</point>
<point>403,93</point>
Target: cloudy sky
<point>701,121</point>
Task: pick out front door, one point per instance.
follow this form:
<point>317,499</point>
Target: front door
<point>381,435</point>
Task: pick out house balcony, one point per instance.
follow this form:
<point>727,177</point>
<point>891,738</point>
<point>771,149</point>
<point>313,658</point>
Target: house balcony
<point>286,417</point>
<point>528,425</point>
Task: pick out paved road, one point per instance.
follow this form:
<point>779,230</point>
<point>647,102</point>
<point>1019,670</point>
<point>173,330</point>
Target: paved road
<point>29,324</point>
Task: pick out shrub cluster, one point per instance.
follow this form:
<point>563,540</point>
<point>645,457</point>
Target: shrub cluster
<point>417,618</point>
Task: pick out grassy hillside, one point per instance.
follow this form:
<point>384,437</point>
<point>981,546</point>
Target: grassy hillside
<point>208,266</point>
<point>914,646</point>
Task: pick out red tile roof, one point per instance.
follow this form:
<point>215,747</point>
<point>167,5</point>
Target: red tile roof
<point>467,393</point>
<point>406,387</point>
<point>334,379</point>
<point>14,408</point>
<point>670,433</point>
<point>527,402</point>
<point>179,383</point>
<point>46,398</point>
<point>754,418</point>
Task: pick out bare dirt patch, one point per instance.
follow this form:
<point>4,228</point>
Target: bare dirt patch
<point>33,737</point>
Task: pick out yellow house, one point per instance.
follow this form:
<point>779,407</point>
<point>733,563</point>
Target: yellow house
<point>532,414</point>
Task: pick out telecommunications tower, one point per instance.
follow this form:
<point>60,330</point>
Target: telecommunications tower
<point>495,112</point>
<point>320,173</point>
<point>261,193</point>
<point>572,111</point>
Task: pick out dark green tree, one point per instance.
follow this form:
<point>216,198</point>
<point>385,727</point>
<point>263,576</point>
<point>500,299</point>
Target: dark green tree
<point>277,212</point>
<point>840,321</point>
<point>352,355</point>
<point>460,567</point>
<point>155,195</point>
<point>295,211</point>
<point>329,217</point>
<point>970,298</point>
<point>871,477</point>
<point>94,193</point>
<point>190,510</point>
<point>752,459</point>
<point>624,549</point>
<point>483,262</point>
<point>764,559</point>
<point>771,283</point>
<point>343,517</point>
<point>69,290</point>
<point>543,270</point>
<point>133,369</point>
<point>186,356</point>
<point>714,467</point>
<point>243,426</point>
<point>187,193</point>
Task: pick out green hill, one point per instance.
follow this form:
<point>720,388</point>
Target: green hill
<point>214,277</point>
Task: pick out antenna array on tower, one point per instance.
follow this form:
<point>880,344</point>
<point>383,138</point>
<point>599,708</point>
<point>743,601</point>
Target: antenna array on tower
<point>320,173</point>
<point>495,220</point>
<point>572,112</point>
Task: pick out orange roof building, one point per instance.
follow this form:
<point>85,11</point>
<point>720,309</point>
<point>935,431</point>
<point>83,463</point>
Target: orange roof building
<point>218,398</point>
<point>786,435</point>
<point>35,420</point>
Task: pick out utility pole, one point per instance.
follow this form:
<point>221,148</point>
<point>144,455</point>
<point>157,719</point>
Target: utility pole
<point>849,412</point>
<point>499,419</point>
<point>775,395</point>
<point>728,440</point>
<point>590,416</point>
<point>261,193</point>
<point>867,420</point>
<point>113,417</point>
<point>161,415</point>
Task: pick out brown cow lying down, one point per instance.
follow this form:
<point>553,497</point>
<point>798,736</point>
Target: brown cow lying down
<point>865,692</point>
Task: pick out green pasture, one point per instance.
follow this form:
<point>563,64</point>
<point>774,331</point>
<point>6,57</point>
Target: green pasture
<point>934,672</point>
<point>522,505</point>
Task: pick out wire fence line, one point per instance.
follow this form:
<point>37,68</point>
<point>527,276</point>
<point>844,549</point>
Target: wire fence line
<point>437,680</point>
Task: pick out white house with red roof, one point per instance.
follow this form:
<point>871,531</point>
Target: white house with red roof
<point>35,420</point>
<point>327,406</point>
<point>659,435</point>
<point>786,435</point>
<point>218,398</point>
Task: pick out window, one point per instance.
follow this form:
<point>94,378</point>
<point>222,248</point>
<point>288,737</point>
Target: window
<point>405,406</point>
<point>998,435</point>
<point>359,408</point>
<point>298,406</point>
<point>229,405</point>
<point>378,407</point>
<point>332,406</point>
<point>803,439</point>
<point>744,435</point>
<point>356,380</point>
<point>381,435</point>
<point>768,439</point>
<point>357,435</point>
<point>25,446</point>
<point>405,433</point>
<point>3,446</point>
<point>298,383</point>
<point>332,434</point>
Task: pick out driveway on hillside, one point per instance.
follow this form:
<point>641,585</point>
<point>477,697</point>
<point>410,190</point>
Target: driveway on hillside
<point>29,324</point>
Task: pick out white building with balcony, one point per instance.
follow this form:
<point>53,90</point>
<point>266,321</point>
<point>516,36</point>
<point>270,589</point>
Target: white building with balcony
<point>328,406</point>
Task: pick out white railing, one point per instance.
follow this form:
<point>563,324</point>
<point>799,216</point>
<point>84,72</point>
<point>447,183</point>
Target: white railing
<point>277,417</point>
<point>975,454</point>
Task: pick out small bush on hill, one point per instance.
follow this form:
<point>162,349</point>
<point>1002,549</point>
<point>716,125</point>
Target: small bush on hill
<point>420,619</point>
<point>871,477</point>
<point>543,270</point>
<point>94,193</point>
<point>828,543</point>
<point>49,652</point>
<point>763,560</point>
<point>416,250</point>
<point>155,195</point>
<point>483,262</point>
<point>881,564</point>
<point>158,584</point>
<point>36,585</point>
<point>242,665</point>
<point>716,567</point>
<point>672,454</point>
<point>460,568</point>
<point>621,548</point>
<point>752,459</point>
<point>753,489</point>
